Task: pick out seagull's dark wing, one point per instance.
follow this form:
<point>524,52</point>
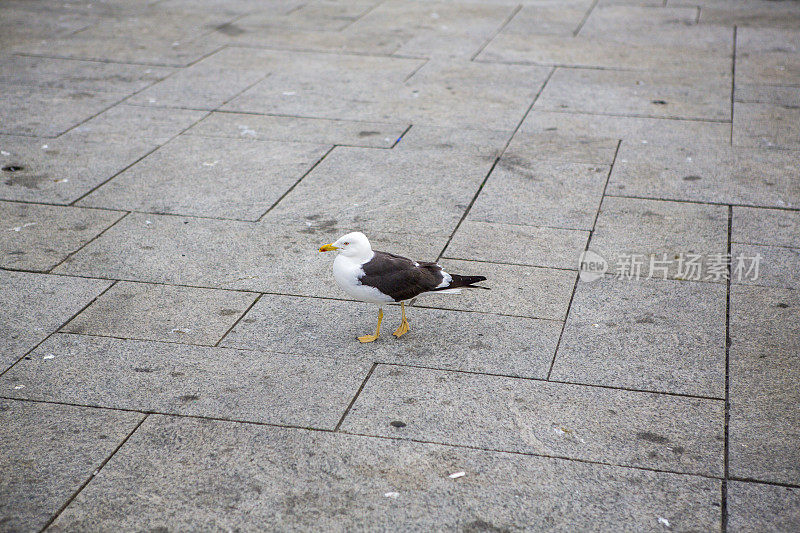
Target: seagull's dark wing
<point>400,277</point>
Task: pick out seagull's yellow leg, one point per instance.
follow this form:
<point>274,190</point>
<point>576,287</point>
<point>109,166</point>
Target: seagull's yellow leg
<point>370,338</point>
<point>404,325</point>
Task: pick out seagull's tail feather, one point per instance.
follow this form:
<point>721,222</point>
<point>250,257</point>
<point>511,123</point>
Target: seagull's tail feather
<point>466,281</point>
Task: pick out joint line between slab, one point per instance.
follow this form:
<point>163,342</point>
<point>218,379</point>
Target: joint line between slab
<point>561,382</point>
<point>726,470</point>
<point>353,401</point>
<point>93,475</point>
<point>236,323</point>
<point>733,79</point>
<point>87,243</point>
<point>67,321</point>
<point>585,18</point>
<point>534,454</point>
<point>296,183</point>
<point>585,249</point>
<point>497,32</point>
<point>496,160</point>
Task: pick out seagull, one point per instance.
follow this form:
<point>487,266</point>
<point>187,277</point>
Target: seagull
<point>380,277</point>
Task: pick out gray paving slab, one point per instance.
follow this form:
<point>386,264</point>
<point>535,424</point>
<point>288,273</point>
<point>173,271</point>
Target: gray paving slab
<point>762,508</point>
<point>331,16</point>
<point>162,313</point>
<point>767,56</point>
<point>631,19</point>
<point>661,336</point>
<point>123,48</point>
<point>421,192</point>
<point>320,85</point>
<point>766,125</point>
<point>46,112</point>
<point>647,94</point>
<point>298,129</point>
<point>777,16</point>
<point>775,227</point>
<point>228,254</point>
<point>160,23</point>
<point>371,41</point>
<point>124,122</point>
<point>38,237</point>
<point>515,290</point>
<point>211,82</point>
<point>658,239</point>
<point>768,94</point>
<point>78,76</point>
<point>151,156</point>
<point>603,51</point>
<point>764,419</point>
<point>635,129</point>
<point>448,45</point>
<point>436,29</point>
<point>24,27</point>
<point>521,190</point>
<point>773,266</point>
<point>36,305</point>
<point>214,177</point>
<point>554,419</point>
<point>188,380</point>
<point>546,19</point>
<point>707,173</point>
<point>470,95</point>
<point>554,146</point>
<point>440,93</point>
<point>517,244</point>
<point>47,452</point>
<point>232,7</point>
<point>671,26</point>
<point>488,143</point>
<point>457,340</point>
<point>309,480</point>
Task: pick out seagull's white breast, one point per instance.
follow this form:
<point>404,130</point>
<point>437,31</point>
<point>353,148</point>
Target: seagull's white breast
<point>347,273</point>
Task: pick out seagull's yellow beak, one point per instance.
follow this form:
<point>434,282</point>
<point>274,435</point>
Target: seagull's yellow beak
<point>328,248</point>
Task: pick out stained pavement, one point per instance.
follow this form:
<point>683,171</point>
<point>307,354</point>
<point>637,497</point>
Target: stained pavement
<point>175,355</point>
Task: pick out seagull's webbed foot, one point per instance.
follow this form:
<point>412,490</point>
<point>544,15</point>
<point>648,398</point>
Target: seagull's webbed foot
<point>370,338</point>
<point>404,325</point>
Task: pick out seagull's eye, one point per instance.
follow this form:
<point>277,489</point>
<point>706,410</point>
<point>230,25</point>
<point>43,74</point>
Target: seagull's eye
<point>346,243</point>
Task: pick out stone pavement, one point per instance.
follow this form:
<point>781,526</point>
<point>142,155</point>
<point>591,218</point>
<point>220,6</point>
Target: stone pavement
<point>175,356</point>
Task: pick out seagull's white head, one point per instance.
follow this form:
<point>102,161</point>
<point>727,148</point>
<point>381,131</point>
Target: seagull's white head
<point>355,245</point>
